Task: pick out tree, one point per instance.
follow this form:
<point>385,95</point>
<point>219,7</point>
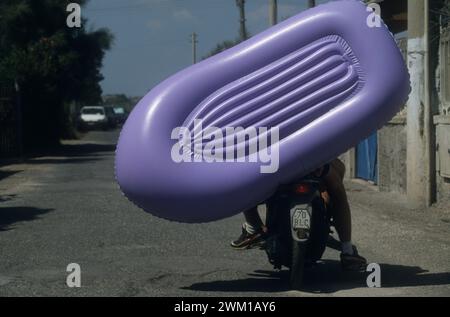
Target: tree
<point>445,12</point>
<point>222,47</point>
<point>243,33</point>
<point>311,3</point>
<point>53,64</point>
<point>121,100</point>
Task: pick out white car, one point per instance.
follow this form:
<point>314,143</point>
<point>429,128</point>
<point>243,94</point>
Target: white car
<point>93,117</point>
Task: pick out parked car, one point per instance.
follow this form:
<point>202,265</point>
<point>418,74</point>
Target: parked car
<point>121,115</point>
<point>111,117</point>
<point>93,117</point>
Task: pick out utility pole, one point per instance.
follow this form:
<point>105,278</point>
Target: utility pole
<point>273,12</point>
<point>419,161</point>
<point>243,28</point>
<point>194,42</point>
<point>311,3</point>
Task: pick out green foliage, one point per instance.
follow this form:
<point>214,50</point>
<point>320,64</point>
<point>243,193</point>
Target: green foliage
<point>222,47</point>
<point>230,43</point>
<point>120,100</point>
<point>445,12</point>
<point>53,64</point>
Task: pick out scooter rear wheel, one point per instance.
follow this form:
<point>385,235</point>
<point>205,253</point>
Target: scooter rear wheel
<point>298,264</point>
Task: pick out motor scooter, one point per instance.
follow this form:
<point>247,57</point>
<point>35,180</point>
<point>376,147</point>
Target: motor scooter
<point>298,227</point>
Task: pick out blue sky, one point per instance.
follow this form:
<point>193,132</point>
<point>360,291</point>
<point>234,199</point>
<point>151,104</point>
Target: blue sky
<point>152,37</point>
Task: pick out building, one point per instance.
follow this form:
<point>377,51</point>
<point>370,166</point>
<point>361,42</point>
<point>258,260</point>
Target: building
<point>411,154</point>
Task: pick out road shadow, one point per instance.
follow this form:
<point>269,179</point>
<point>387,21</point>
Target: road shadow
<point>6,174</point>
<point>12,215</point>
<point>84,149</point>
<point>75,150</point>
<point>326,277</point>
<point>49,160</point>
<point>63,154</point>
<point>4,198</point>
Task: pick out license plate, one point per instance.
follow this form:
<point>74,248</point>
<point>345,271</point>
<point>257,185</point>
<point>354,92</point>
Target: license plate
<point>301,218</point>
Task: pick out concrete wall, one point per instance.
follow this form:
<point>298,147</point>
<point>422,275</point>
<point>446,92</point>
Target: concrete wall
<point>421,174</point>
<point>442,158</point>
<point>392,162</point>
<point>392,157</point>
<point>348,158</point>
<point>443,189</point>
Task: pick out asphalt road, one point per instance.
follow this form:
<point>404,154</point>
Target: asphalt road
<point>66,208</point>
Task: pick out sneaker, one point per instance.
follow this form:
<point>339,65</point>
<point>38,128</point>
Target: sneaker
<point>247,240</point>
<point>353,262</point>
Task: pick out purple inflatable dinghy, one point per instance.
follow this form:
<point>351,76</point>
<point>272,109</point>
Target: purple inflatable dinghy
<point>220,136</point>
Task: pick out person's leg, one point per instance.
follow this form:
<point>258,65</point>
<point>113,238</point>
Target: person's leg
<point>342,216</point>
<point>338,196</point>
<point>253,221</point>
<point>253,230</point>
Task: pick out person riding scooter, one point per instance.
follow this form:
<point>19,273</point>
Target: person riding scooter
<point>335,197</point>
